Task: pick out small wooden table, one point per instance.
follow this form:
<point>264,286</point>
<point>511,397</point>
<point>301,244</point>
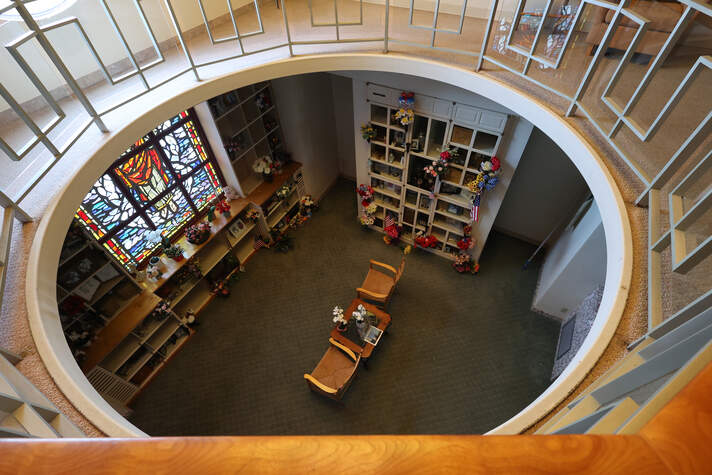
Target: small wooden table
<point>384,320</point>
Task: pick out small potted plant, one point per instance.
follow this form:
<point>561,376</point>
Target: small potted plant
<point>341,323</point>
<point>198,233</point>
<point>175,252</point>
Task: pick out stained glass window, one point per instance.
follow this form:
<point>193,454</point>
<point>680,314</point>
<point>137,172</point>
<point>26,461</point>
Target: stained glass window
<point>158,183</point>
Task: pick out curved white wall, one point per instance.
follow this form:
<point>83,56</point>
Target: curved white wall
<point>153,107</point>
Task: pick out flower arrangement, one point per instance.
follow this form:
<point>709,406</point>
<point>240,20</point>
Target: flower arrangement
<point>405,114</point>
<point>252,215</point>
<point>367,220</point>
<point>266,167</point>
<point>464,263</point>
<point>162,311</point>
<point>175,252</point>
<point>465,243</point>
<point>368,132</point>
<point>366,193</point>
<point>198,233</point>
<point>372,208</point>
<point>439,168</point>
<point>220,288</point>
<point>339,319</point>
<point>223,207</point>
<point>283,192</point>
<point>425,241</point>
<point>306,205</point>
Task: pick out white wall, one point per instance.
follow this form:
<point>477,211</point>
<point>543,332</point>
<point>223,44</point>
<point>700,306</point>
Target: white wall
<point>342,96</point>
<point>574,266</point>
<point>546,189</point>
<point>306,113</point>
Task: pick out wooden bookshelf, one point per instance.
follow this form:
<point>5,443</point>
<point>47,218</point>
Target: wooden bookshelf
<point>119,328</point>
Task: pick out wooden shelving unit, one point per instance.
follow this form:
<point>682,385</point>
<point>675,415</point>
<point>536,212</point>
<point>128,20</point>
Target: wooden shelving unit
<point>128,342</point>
<point>396,160</point>
<point>248,122</point>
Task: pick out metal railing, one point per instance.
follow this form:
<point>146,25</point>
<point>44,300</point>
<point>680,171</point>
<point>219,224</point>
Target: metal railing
<point>511,43</point>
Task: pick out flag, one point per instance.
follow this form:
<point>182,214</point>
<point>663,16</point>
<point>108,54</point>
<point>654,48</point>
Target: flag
<point>475,212</point>
<point>259,243</point>
<point>389,221</point>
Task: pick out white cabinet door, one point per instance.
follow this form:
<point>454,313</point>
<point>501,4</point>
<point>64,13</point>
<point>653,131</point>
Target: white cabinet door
<point>492,120</point>
<point>466,115</point>
<point>431,106</point>
<point>383,95</point>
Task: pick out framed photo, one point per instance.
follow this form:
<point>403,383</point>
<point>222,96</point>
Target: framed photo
<point>237,227</point>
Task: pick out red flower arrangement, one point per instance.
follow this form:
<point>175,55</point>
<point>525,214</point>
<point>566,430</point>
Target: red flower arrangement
<point>495,164</point>
<point>365,192</point>
<point>426,241</point>
<point>393,231</point>
<point>223,207</point>
<point>465,243</point>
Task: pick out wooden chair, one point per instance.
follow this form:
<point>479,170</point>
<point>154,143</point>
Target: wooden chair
<point>378,286</point>
<point>334,372</point>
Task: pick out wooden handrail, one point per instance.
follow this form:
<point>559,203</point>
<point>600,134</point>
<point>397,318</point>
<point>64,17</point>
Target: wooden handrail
<point>335,454</point>
<point>677,440</point>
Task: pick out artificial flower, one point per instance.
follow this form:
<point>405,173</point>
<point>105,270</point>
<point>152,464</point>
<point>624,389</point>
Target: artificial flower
<point>495,163</point>
<point>486,165</point>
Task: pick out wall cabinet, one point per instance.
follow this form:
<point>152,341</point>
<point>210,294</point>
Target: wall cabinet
<point>397,156</point>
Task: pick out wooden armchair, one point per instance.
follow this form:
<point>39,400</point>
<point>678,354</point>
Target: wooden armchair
<point>334,372</point>
<point>378,286</point>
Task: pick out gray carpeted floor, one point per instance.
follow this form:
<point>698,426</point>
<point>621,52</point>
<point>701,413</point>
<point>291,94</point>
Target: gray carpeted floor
<point>464,353</point>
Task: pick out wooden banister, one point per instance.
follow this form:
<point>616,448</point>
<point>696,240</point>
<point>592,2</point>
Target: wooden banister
<point>676,440</point>
<point>335,454</point>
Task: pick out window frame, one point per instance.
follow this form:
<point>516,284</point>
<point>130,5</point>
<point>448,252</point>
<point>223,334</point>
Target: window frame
<point>152,140</point>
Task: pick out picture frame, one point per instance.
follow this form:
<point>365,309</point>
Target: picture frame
<point>237,227</point>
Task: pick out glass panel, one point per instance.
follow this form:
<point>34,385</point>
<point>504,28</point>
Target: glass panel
<point>184,149</point>
<point>436,138</point>
<point>170,212</point>
<point>131,240</point>
<point>104,207</point>
<point>379,114</point>
<point>461,135</point>
<point>485,142</point>
<point>203,186</point>
<point>145,175</point>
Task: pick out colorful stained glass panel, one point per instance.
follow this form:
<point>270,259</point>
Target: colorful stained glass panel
<point>106,205</point>
<point>170,213</point>
<point>145,175</point>
<point>184,149</point>
<point>132,238</point>
<point>203,186</point>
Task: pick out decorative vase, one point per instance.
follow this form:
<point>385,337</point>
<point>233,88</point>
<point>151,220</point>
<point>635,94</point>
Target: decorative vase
<point>268,177</point>
<point>341,327</point>
<point>178,258</point>
<point>362,328</point>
